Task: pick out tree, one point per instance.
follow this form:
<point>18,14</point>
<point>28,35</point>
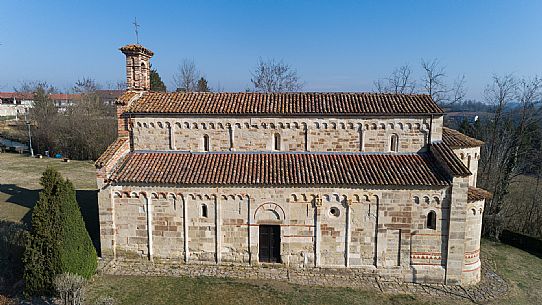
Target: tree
<point>400,81</point>
<point>88,126</point>
<point>509,150</point>
<point>432,82</point>
<point>42,253</point>
<point>202,85</point>
<point>77,253</point>
<point>58,241</point>
<point>43,114</point>
<point>156,82</point>
<point>186,77</point>
<point>275,76</point>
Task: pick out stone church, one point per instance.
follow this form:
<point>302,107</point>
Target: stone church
<point>363,182</point>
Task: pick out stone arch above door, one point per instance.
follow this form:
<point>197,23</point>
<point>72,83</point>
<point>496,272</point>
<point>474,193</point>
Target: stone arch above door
<point>269,213</point>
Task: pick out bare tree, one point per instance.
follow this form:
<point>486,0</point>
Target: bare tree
<point>508,151</point>
<point>275,76</point>
<point>400,81</point>
<point>434,84</point>
<point>187,76</point>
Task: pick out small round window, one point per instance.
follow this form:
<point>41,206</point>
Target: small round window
<point>334,211</point>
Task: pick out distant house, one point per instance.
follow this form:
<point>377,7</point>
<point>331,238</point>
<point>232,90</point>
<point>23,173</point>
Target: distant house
<point>17,103</point>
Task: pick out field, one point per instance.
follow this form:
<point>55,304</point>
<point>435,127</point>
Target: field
<point>19,185</point>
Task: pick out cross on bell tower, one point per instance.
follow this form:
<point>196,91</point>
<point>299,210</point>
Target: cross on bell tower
<point>136,28</point>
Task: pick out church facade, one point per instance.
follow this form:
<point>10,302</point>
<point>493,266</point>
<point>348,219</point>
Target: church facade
<point>363,181</point>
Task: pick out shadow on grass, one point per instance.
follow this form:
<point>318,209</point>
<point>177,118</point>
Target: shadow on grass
<point>87,200</point>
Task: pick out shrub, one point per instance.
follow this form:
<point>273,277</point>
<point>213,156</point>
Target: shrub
<point>12,236</point>
<point>70,288</point>
<point>58,241</point>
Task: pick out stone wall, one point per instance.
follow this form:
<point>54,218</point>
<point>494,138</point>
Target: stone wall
<point>380,229</point>
<point>470,157</point>
<point>301,134</point>
<point>472,264</point>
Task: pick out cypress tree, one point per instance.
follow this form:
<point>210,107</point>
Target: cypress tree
<point>156,81</point>
<point>77,253</point>
<point>41,257</point>
<point>58,241</point>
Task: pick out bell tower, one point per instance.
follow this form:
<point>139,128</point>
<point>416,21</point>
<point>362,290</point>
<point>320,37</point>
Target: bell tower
<point>137,67</point>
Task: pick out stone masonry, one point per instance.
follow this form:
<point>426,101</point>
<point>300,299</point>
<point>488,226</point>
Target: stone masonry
<point>407,233</point>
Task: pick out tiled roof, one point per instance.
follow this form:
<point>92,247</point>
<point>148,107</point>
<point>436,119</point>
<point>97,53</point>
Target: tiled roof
<point>17,95</point>
<point>279,169</point>
<point>126,97</point>
<point>446,155</point>
<point>476,194</point>
<point>298,103</point>
<point>136,48</point>
<point>455,139</point>
<point>110,152</point>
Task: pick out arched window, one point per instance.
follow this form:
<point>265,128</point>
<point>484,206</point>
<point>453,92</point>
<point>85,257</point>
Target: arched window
<point>205,143</point>
<point>204,211</point>
<point>394,143</point>
<point>468,162</point>
<point>276,141</point>
<point>416,200</point>
<point>432,220</point>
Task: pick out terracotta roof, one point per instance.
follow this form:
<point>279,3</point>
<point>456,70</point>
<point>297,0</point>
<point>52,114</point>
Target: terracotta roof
<point>110,152</point>
<point>295,103</point>
<point>126,97</point>
<point>17,95</point>
<point>291,169</point>
<point>136,48</point>
<point>476,194</point>
<point>65,97</point>
<point>446,155</point>
<point>455,139</point>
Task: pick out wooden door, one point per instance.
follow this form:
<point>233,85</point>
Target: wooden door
<point>269,244</point>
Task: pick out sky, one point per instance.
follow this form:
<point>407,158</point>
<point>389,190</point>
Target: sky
<point>333,45</point>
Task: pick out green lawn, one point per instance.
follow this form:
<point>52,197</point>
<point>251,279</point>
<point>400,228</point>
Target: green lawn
<point>19,182</point>
<point>521,270</point>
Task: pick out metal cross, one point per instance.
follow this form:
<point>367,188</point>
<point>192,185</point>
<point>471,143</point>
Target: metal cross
<point>136,26</point>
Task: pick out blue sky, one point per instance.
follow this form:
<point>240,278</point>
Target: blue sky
<point>334,45</point>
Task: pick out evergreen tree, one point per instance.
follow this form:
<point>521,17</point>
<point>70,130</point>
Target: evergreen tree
<point>41,257</point>
<point>58,241</point>
<point>77,253</point>
<point>202,85</point>
<point>156,82</point>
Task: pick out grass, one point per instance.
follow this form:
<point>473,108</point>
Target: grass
<point>521,270</point>
<point>182,290</point>
<point>19,186</point>
<point>19,182</point>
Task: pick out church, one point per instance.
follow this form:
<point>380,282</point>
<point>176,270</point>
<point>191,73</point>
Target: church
<point>366,182</point>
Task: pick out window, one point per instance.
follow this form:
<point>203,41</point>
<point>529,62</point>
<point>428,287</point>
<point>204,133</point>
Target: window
<point>468,162</point>
<point>205,143</point>
<point>432,220</point>
<point>204,211</point>
<point>276,141</point>
<point>334,211</point>
<point>394,143</point>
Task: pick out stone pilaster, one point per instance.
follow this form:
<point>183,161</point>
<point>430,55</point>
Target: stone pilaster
<point>185,229</point>
<point>317,229</point>
<point>457,229</point>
